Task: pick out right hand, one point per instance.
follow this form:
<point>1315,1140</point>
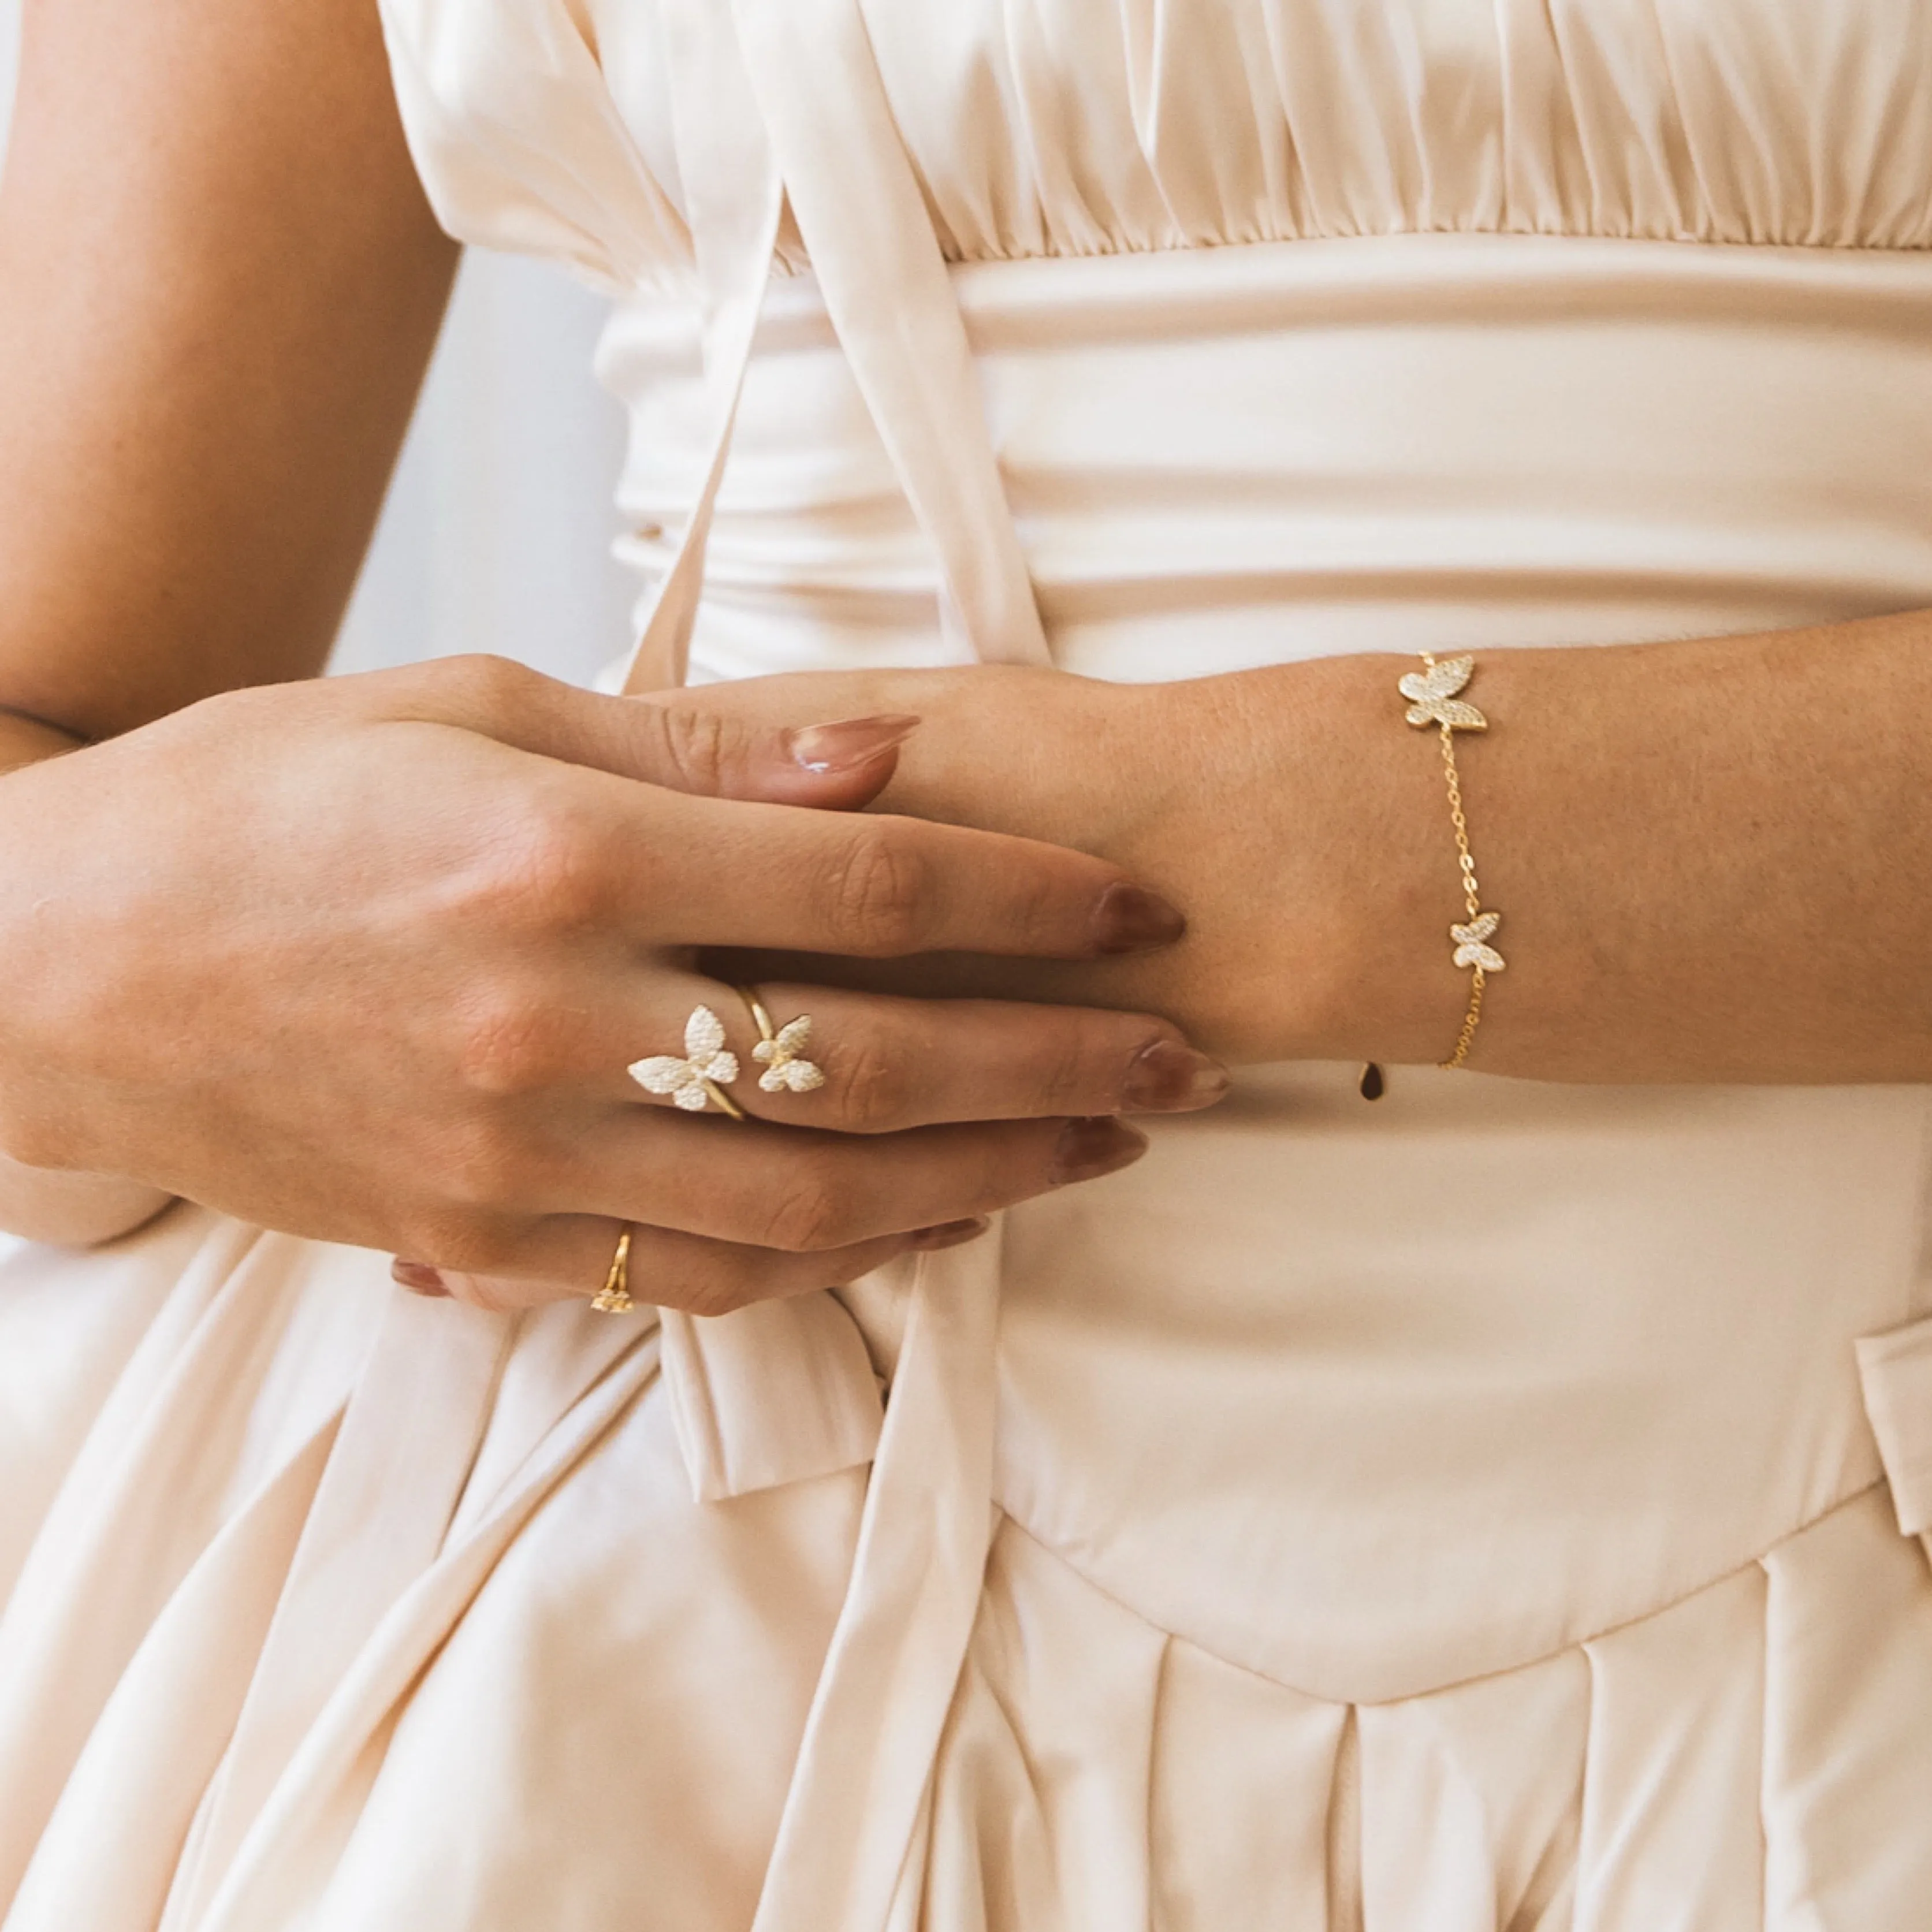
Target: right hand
<point>365,959</point>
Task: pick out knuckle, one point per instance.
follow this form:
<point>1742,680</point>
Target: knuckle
<point>1067,1077</point>
<point>457,1240</point>
<point>808,1214</point>
<point>480,1291</point>
<point>882,890</point>
<point>513,1043</point>
<point>718,1287</point>
<point>544,867</point>
<point>483,685</point>
<point>693,746</point>
<point>875,1090</point>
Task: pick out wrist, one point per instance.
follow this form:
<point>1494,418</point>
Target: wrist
<point>1322,898</point>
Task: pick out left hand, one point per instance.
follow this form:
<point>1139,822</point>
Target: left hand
<point>1277,808</point>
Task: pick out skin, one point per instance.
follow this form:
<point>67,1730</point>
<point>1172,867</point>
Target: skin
<point>365,959</point>
<point>1710,855</point>
<point>1662,825</point>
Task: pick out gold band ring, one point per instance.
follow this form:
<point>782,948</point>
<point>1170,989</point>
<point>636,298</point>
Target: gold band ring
<point>614,1297</point>
<point>781,1049</point>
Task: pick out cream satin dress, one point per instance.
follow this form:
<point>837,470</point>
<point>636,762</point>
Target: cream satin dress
<point>1497,1508</point>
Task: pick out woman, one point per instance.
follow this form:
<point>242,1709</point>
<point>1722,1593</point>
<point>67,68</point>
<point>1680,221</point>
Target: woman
<point>1480,1506</point>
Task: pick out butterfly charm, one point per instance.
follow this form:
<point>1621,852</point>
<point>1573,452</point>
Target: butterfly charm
<point>786,1068</point>
<point>1472,945</point>
<point>689,1081</point>
<point>1432,697</point>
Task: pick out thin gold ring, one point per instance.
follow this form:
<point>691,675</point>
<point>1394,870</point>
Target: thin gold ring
<point>760,1013</point>
<point>614,1297</point>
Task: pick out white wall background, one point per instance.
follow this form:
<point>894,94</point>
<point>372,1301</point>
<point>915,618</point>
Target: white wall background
<point>495,536</point>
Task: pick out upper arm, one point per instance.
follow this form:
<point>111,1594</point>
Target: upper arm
<point>220,283</point>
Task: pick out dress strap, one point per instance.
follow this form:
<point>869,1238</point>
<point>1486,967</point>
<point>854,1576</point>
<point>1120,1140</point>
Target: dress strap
<point>891,300</point>
<point>792,106</point>
<point>873,1735</point>
<point>1895,1369</point>
<point>734,197</point>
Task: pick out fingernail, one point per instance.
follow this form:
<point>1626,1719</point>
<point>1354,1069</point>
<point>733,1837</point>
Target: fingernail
<point>1170,1077</point>
<point>951,1234</point>
<point>418,1279</point>
<point>1088,1149</point>
<point>1130,919</point>
<point>849,743</point>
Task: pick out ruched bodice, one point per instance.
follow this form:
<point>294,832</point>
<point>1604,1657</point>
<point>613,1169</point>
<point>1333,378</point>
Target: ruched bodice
<point>1101,126</point>
<point>1091,127</point>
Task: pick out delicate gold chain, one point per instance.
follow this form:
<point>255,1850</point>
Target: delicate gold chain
<point>1433,700</point>
<point>1472,894</point>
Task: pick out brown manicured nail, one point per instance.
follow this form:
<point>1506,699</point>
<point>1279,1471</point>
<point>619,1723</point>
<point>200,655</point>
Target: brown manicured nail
<point>1130,919</point>
<point>1170,1077</point>
<point>951,1234</point>
<point>1088,1149</point>
<point>418,1279</point>
<point>849,743</point>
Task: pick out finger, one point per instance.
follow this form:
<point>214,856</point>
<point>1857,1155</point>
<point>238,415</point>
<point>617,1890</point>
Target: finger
<point>808,1192</point>
<point>568,1258</point>
<point>856,1064</point>
<point>686,747</point>
<point>700,873</point>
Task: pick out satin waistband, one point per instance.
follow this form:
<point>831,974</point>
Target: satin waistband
<point>1225,457</point>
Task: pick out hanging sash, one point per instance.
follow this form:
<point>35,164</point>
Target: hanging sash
<point>793,108</point>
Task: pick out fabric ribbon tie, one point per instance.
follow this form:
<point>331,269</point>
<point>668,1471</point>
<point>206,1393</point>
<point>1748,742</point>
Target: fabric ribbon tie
<point>1896,1369</point>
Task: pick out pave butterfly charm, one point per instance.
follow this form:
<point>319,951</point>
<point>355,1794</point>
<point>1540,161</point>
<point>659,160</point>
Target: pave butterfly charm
<point>782,1053</point>
<point>700,1077</point>
<point>1433,699</point>
<point>1472,945</point>
<point>781,1049</point>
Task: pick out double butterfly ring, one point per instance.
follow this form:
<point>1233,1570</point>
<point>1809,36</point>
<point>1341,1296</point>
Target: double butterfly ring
<point>698,1081</point>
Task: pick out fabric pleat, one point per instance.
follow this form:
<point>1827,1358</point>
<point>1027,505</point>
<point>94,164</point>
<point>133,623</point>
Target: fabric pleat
<point>1068,127</point>
<point>265,1370</point>
<point>1672,1837</point>
<point>1847,1773</point>
<point>1750,1759</point>
<point>646,1662</point>
<point>153,1748</point>
<point>1261,1854</point>
<point>1470,1801</point>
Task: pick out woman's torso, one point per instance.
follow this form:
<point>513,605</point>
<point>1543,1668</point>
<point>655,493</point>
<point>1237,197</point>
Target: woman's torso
<point>1303,328</point>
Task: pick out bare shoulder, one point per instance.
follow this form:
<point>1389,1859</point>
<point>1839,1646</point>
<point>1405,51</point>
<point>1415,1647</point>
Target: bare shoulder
<point>219,283</point>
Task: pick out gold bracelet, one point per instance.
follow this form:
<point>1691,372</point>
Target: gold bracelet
<point>1432,693</point>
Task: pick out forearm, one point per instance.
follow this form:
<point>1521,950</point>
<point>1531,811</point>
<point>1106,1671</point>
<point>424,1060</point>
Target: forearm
<point>1713,858</point>
<point>25,741</point>
<point>219,287</point>
<point>71,1210</point>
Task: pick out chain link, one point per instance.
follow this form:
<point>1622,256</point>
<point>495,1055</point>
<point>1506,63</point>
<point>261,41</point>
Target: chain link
<point>1471,892</point>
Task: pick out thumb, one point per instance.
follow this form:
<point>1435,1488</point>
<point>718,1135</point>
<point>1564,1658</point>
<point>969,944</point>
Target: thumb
<point>673,739</point>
